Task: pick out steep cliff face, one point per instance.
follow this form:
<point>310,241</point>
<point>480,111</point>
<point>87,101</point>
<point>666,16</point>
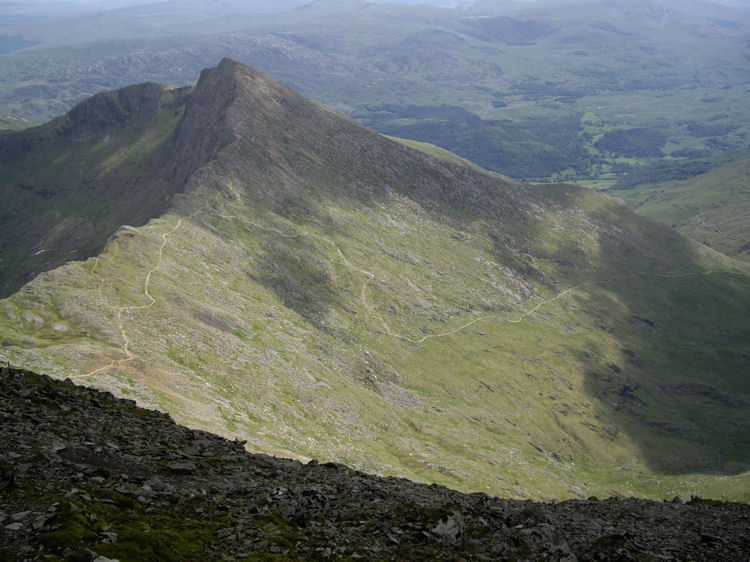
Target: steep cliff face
<point>103,114</point>
<point>206,127</point>
<point>69,184</point>
<point>324,292</point>
<point>96,117</point>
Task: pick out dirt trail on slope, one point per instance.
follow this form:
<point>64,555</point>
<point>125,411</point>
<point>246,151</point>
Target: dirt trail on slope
<point>128,355</point>
<point>118,310</point>
<point>371,277</point>
<point>551,300</point>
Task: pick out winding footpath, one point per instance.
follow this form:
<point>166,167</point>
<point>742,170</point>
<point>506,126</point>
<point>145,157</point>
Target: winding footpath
<point>702,222</point>
<point>551,300</point>
<point>128,355</point>
<point>118,310</point>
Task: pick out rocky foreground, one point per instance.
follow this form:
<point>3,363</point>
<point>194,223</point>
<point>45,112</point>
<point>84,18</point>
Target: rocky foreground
<point>86,476</point>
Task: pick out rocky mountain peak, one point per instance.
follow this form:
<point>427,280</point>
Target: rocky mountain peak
<point>231,93</point>
<point>233,102</point>
<point>272,135</point>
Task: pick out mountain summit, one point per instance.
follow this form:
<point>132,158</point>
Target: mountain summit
<point>322,291</point>
<point>237,113</point>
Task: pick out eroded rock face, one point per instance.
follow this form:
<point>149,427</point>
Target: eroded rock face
<point>86,476</point>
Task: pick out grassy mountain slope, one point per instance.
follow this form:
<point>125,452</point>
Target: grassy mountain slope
<point>712,208</point>
<point>12,123</point>
<point>322,291</point>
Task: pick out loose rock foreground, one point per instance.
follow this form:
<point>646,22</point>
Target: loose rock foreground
<point>85,475</point>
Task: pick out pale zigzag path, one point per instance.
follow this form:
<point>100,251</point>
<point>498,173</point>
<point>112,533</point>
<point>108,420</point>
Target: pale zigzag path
<point>702,222</point>
<point>548,301</point>
<point>118,310</point>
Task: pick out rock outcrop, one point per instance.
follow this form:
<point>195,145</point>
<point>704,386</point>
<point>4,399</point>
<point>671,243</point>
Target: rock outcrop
<point>86,476</point>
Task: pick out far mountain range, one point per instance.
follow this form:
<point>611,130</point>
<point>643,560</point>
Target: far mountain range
<point>612,93</point>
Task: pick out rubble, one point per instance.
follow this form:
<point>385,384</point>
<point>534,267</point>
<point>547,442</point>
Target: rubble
<point>86,476</point>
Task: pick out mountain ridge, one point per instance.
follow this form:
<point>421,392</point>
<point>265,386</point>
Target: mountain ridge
<point>72,182</point>
<point>325,292</point>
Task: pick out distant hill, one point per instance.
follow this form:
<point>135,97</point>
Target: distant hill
<point>712,208</point>
<point>534,90</point>
<point>10,122</point>
<point>288,277</point>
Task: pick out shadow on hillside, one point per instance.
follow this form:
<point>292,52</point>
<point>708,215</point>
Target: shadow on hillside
<point>297,275</point>
<point>679,387</point>
<point>676,389</point>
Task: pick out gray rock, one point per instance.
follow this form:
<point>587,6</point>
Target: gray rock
<point>81,555</point>
<point>108,537</point>
<point>20,516</point>
<point>451,530</point>
<point>182,467</point>
<point>155,483</point>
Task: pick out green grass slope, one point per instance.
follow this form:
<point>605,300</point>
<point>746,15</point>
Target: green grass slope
<point>322,291</point>
<point>712,208</point>
<point>13,123</point>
